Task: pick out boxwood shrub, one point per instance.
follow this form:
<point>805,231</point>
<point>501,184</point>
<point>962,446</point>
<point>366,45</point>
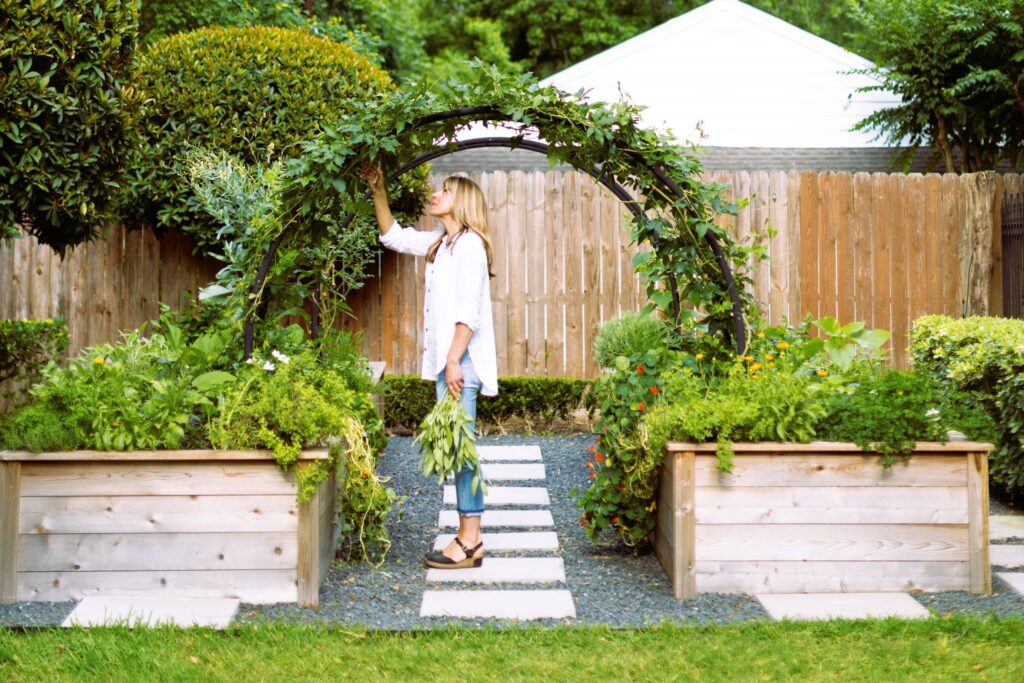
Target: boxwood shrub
<point>407,399</point>
<point>252,92</point>
<point>62,69</point>
<point>984,356</point>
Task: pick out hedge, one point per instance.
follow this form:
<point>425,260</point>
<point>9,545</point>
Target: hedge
<point>985,356</point>
<point>407,399</point>
<point>62,123</point>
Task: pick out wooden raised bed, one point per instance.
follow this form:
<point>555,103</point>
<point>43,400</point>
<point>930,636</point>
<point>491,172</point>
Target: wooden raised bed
<point>164,523</point>
<point>824,517</point>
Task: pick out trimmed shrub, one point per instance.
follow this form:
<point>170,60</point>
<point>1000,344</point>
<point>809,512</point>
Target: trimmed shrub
<point>251,92</point>
<point>630,335</point>
<point>984,356</point>
<point>408,399</point>
<point>62,70</point>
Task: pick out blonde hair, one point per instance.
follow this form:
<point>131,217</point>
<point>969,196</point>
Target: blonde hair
<point>469,208</point>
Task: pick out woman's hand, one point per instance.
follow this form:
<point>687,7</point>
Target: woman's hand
<point>373,176</point>
<point>453,377</point>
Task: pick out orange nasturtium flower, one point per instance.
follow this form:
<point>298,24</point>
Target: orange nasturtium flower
<point>640,407</point>
<point>598,457</point>
<point>639,369</point>
<point>654,390</point>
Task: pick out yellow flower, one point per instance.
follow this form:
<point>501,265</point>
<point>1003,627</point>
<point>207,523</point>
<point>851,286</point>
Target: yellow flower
<point>822,373</point>
<point>771,365</point>
<point>748,358</point>
<point>754,367</point>
<point>687,371</point>
<point>783,345</point>
<point>769,356</point>
<point>49,321</point>
<point>699,356</point>
<point>761,335</point>
<point>755,375</point>
<point>98,360</point>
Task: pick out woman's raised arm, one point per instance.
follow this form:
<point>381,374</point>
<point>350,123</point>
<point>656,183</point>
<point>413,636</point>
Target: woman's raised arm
<point>375,177</point>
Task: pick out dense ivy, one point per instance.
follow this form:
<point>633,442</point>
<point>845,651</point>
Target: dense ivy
<point>394,127</point>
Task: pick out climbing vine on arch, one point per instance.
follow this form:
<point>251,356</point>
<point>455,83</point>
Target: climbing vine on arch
<point>693,270</point>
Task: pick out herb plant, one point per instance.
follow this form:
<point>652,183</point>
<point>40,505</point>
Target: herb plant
<point>447,443</point>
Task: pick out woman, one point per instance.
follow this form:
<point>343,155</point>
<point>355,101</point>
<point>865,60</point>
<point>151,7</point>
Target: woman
<point>458,329</point>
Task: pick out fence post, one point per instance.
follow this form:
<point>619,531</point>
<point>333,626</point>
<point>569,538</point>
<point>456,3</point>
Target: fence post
<point>976,243</point>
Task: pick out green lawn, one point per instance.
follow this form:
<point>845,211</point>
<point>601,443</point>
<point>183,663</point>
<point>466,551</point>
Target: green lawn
<point>958,649</point>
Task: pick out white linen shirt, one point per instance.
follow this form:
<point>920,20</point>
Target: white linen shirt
<point>457,290</point>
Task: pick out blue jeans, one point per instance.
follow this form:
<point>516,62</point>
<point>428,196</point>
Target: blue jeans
<point>468,504</point>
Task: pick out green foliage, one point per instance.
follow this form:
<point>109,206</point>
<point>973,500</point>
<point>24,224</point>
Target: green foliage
<point>628,335</point>
<point>27,345</point>
<point>408,399</point>
<point>621,494</point>
<point>959,71</point>
<point>251,93</point>
<point>447,443</point>
<point>38,427</point>
<point>887,414</point>
<point>63,66</point>
<point>985,358</point>
<point>391,129</point>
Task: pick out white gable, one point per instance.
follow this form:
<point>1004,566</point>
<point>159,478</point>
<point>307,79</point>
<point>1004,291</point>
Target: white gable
<point>747,78</point>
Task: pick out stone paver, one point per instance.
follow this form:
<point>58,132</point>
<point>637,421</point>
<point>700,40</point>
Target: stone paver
<point>1005,526</point>
<point>527,540</point>
<point>490,453</point>
<point>1015,579</point>
<point>506,495</point>
<point>505,570</point>
<point>818,606</point>
<point>517,472</point>
<point>1006,555</point>
<point>134,611</point>
<point>500,518</point>
<point>515,604</point>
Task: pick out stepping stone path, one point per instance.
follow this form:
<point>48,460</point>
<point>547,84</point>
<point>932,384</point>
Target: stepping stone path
<point>1001,527</point>
<point>815,606</point>
<point>542,566</point>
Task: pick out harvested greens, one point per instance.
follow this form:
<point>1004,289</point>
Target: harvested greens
<point>447,442</point>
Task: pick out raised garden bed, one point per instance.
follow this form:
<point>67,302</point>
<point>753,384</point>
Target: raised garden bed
<point>824,517</point>
<point>170,523</point>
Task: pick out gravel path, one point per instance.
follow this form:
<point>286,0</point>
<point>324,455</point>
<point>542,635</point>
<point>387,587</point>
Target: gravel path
<point>608,585</point>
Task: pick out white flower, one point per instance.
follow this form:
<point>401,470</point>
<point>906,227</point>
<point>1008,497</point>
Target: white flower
<point>281,358</point>
<point>269,367</point>
<point>933,413</point>
<point>250,360</point>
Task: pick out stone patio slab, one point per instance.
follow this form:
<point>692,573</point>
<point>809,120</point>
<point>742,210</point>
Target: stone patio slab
<point>1006,555</point>
<point>505,570</point>
<point>1005,526</point>
<point>1015,579</point>
<point>820,606</point>
<point>491,453</point>
<point>136,612</point>
<point>507,495</point>
<point>520,605</point>
<point>512,472</point>
<point>500,518</point>
<point>526,540</point>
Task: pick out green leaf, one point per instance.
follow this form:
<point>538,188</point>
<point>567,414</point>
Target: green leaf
<point>212,379</point>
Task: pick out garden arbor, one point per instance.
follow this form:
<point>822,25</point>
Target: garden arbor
<point>693,267</point>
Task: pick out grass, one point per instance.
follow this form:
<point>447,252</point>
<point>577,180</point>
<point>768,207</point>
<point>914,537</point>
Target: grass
<point>956,649</point>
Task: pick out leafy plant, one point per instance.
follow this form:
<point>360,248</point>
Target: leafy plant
<point>63,69</point>
<point>447,442</point>
<point>252,93</point>
<point>38,427</point>
<point>27,345</point>
<point>845,343</point>
<point>628,335</point>
<point>984,358</point>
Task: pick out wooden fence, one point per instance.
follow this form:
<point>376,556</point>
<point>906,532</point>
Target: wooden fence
<point>880,248</point>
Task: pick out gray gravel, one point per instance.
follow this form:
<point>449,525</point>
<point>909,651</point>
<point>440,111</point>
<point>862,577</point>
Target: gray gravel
<point>609,586</point>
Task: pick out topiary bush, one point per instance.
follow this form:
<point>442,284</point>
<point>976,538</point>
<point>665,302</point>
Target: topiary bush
<point>62,124</point>
<point>628,335</point>
<point>252,93</point>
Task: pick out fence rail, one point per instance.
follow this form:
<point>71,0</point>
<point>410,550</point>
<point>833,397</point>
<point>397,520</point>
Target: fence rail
<point>880,248</point>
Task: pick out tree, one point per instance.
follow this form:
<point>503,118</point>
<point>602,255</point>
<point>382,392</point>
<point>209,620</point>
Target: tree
<point>959,69</point>
<point>63,67</point>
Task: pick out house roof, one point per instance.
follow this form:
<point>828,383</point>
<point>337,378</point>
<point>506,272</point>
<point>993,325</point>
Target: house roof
<point>742,76</point>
